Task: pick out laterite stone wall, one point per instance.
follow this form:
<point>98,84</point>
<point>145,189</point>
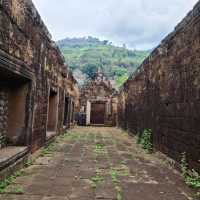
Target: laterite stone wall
<point>164,93</point>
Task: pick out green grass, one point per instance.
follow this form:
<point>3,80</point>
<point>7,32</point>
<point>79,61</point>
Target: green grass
<point>15,190</point>
<point>10,179</point>
<point>191,177</point>
<point>100,149</point>
<point>98,178</point>
<point>114,175</point>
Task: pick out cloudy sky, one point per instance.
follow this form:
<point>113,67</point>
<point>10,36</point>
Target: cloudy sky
<point>140,24</point>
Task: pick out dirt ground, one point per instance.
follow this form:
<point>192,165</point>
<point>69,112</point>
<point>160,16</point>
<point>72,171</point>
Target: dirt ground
<point>91,163</point>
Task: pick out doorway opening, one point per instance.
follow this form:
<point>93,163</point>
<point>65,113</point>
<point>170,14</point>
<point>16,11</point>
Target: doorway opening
<point>98,113</point>
<point>65,120</point>
<point>72,112</point>
<point>13,101</point>
<point>52,114</point>
<point>14,90</point>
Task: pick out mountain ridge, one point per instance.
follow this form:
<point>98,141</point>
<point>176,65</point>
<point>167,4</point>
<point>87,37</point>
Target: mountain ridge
<point>86,55</point>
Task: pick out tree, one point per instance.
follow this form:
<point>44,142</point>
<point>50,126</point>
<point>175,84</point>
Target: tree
<point>90,69</point>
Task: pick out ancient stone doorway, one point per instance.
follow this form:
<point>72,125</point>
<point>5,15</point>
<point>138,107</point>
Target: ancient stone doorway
<point>66,109</point>
<point>13,102</point>
<point>52,114</point>
<point>98,112</point>
<point>72,112</point>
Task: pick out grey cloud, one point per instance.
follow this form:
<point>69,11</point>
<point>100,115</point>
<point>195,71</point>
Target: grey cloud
<point>138,23</point>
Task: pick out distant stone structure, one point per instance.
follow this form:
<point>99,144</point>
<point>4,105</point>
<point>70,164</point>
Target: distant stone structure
<point>38,95</point>
<point>98,101</point>
<point>164,93</point>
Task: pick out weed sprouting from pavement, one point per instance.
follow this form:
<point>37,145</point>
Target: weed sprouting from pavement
<point>10,179</point>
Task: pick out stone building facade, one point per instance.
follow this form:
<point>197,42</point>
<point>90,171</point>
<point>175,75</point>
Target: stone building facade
<point>164,93</point>
<point>38,95</point>
<point>98,100</point>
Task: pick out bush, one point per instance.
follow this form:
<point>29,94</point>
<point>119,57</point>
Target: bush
<point>145,139</point>
<point>191,177</point>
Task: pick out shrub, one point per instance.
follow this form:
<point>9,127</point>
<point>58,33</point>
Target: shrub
<point>191,177</point>
<point>145,139</point>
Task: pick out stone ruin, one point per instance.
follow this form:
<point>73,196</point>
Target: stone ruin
<point>39,96</point>
<point>98,101</point>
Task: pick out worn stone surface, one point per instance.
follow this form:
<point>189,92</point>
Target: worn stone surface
<point>163,94</point>
<point>98,163</point>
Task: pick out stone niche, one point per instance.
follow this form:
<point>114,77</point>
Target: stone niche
<point>16,114</point>
<point>13,100</point>
<point>52,113</point>
<point>66,111</point>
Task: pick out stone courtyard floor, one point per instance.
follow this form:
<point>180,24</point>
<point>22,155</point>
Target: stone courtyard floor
<point>89,163</point>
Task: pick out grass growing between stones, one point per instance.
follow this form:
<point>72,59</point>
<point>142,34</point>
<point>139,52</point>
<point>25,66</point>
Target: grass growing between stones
<point>116,173</point>
<point>14,190</point>
<point>48,151</point>
<point>99,148</point>
<point>97,179</point>
<point>51,148</point>
<point>9,180</point>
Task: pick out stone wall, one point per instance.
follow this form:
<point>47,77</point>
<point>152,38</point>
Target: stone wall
<point>3,116</point>
<point>164,93</point>
<point>29,56</point>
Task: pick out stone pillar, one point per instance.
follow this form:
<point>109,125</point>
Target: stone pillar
<point>3,116</point>
<point>88,112</point>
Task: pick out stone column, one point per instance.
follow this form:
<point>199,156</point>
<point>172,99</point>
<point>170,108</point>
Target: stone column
<point>88,112</point>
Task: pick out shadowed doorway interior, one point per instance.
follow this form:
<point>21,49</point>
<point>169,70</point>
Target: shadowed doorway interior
<point>98,113</point>
<point>52,114</point>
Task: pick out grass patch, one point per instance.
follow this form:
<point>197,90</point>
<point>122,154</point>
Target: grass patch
<point>114,175</point>
<point>9,180</point>
<point>29,162</point>
<point>14,190</point>
<point>48,151</point>
<point>99,148</point>
<point>98,178</point>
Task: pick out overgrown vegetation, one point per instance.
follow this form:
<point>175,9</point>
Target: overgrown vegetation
<point>9,180</point>
<point>145,140</point>
<point>191,177</point>
<point>85,56</point>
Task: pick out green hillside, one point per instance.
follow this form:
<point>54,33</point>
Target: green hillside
<point>85,55</point>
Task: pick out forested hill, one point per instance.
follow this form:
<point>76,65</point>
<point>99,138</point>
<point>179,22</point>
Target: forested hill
<point>85,55</point>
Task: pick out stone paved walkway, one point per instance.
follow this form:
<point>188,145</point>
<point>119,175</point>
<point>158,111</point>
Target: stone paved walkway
<point>97,163</point>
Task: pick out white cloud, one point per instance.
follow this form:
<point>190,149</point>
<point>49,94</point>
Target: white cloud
<point>138,23</point>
